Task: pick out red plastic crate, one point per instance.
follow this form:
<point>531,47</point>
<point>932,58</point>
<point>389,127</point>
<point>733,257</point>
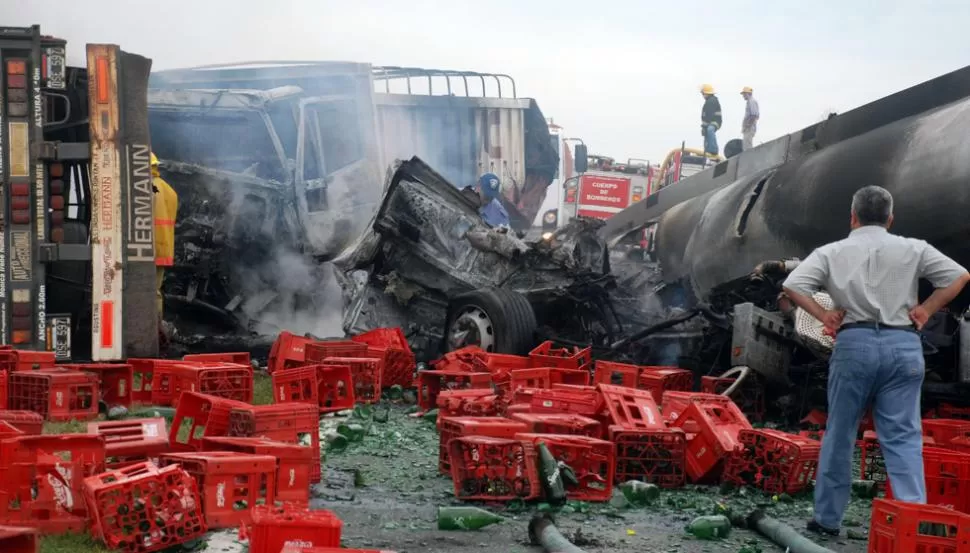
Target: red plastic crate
<point>3,390</point>
<point>8,431</point>
<point>943,431</point>
<point>587,402</point>
<point>234,357</point>
<point>42,485</point>
<point>199,416</point>
<point>292,467</point>
<point>114,379</point>
<point>288,351</point>
<point>132,440</point>
<point>28,422</point>
<point>661,379</point>
<point>390,345</point>
<point>494,469</point>
<point>143,508</point>
<point>143,371</point>
<point>617,374</point>
<point>545,377</point>
<point>365,372</point>
<point>898,527</point>
<point>335,388</point>
<point>227,380</point>
<point>631,408</point>
<point>432,383</point>
<point>675,403</point>
<point>274,528</point>
<point>947,476</point>
<point>560,423</point>
<point>592,461</point>
<point>18,540</point>
<point>57,394</point>
<point>654,456</point>
<point>750,395</point>
<point>296,385</point>
<point>718,426</point>
<point>289,423</point>
<point>457,427</point>
<point>547,354</point>
<point>26,360</point>
<point>480,402</point>
<point>231,483</point>
<point>774,461</point>
<point>318,352</point>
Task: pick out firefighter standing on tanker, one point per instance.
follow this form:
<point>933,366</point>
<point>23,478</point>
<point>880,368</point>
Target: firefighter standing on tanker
<point>710,120</point>
<point>165,209</point>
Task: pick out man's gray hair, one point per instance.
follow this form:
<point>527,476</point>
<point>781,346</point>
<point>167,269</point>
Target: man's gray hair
<point>872,205</point>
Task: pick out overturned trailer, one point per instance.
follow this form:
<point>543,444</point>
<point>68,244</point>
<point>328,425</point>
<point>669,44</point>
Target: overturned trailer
<point>278,167</point>
<point>712,233</point>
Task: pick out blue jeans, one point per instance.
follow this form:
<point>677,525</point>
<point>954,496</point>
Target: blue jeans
<point>883,368</point>
<point>710,140</point>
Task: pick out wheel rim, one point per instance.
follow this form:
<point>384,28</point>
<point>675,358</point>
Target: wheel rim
<point>472,327</point>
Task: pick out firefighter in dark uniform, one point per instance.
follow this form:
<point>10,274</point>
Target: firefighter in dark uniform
<point>710,120</point>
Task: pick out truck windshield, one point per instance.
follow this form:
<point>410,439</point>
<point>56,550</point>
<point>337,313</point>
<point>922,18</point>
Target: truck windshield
<point>229,140</point>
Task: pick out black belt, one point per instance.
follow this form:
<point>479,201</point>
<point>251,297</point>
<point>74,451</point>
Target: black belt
<point>873,325</point>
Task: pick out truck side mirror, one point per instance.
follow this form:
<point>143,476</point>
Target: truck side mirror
<point>580,161</point>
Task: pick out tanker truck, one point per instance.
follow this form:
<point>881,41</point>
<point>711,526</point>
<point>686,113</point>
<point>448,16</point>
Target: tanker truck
<point>723,239</point>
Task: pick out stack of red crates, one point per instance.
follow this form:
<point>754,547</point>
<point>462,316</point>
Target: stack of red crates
<point>774,461</point>
<point>287,423</point>
<point>115,381</point>
<point>56,394</point>
<point>142,508</point>
<point>231,483</point>
<point>293,463</point>
<point>947,476</point>
<point>227,380</point>
<point>391,346</point>
<point>456,427</point>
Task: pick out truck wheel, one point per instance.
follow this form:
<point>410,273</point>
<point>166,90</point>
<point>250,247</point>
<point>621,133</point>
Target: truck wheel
<point>496,320</point>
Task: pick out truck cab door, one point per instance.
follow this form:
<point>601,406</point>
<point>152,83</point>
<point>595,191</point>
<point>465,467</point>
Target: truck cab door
<point>336,179</point>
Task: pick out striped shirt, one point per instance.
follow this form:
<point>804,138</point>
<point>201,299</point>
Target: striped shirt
<point>874,275</point>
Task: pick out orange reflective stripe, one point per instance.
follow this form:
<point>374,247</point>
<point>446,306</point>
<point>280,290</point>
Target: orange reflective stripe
<point>164,261</point>
<point>164,222</point>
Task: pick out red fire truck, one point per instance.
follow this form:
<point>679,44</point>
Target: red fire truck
<point>600,194</point>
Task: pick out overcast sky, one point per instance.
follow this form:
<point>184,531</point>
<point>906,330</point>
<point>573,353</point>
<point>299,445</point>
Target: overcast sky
<point>623,75</point>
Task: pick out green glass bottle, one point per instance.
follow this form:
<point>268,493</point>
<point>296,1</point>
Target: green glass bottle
<point>639,493</point>
<point>712,527</point>
<point>465,518</point>
<point>336,441</point>
<point>552,484</point>
<point>431,415</point>
<point>352,431</point>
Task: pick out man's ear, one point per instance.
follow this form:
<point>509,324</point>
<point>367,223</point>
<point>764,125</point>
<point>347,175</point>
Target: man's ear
<point>889,222</point>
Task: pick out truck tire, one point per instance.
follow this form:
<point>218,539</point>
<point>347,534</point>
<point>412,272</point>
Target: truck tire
<point>497,320</point>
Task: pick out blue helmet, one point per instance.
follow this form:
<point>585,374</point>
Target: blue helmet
<point>489,185</point>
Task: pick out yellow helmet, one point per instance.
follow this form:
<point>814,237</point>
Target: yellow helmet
<point>747,90</point>
<point>154,160</point>
<point>707,89</point>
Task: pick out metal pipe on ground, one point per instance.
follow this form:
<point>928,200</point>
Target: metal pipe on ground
<point>543,531</point>
<point>782,534</point>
